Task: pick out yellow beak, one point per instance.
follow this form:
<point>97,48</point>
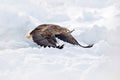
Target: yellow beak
<point>68,30</point>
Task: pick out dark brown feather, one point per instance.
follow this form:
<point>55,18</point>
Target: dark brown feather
<point>44,39</point>
<point>67,37</point>
<point>45,35</point>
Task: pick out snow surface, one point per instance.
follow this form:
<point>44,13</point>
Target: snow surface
<point>94,21</point>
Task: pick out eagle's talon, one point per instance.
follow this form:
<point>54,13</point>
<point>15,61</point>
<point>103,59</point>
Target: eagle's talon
<point>60,46</point>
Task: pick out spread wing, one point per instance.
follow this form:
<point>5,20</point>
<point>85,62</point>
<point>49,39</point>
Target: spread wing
<point>44,39</point>
<point>67,37</point>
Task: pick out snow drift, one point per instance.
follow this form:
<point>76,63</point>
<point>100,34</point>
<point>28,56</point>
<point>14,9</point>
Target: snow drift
<point>22,59</point>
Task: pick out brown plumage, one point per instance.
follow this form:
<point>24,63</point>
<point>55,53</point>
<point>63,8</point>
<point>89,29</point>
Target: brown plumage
<point>45,35</point>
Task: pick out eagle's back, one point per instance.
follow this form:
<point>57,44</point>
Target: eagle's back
<point>49,28</point>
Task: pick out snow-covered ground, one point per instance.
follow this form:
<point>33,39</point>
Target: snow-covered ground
<point>94,21</point>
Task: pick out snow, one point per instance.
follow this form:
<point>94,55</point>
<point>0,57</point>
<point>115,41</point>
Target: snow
<point>94,21</point>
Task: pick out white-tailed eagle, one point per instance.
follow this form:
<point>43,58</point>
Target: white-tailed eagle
<point>45,35</point>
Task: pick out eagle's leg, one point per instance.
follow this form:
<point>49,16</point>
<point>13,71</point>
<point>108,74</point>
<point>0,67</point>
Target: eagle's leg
<point>60,46</point>
<point>44,46</point>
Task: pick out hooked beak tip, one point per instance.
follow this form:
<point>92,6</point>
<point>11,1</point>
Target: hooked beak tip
<point>71,31</point>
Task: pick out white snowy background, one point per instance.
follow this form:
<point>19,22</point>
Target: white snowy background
<point>94,21</point>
